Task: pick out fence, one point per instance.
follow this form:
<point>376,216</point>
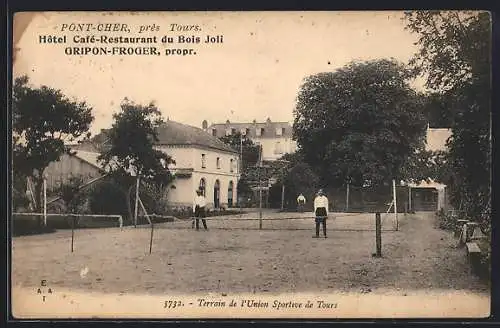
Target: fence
<point>27,223</point>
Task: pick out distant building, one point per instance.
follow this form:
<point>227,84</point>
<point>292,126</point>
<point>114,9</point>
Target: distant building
<point>436,139</point>
<point>431,196</point>
<point>202,161</point>
<point>274,137</point>
<point>78,164</point>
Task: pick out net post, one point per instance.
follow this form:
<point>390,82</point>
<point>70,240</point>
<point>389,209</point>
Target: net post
<point>72,233</point>
<point>151,239</point>
<point>347,198</point>
<point>395,204</point>
<point>45,200</point>
<point>136,201</point>
<point>378,235</point>
<point>409,199</point>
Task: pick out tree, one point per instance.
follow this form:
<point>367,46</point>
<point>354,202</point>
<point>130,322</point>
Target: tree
<point>246,146</point>
<point>132,138</point>
<point>72,194</point>
<point>43,120</point>
<point>454,54</point>
<point>437,111</point>
<point>424,165</point>
<point>298,178</point>
<point>250,157</point>
<point>358,124</point>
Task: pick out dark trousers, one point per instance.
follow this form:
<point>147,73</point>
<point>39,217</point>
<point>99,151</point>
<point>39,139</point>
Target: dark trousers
<point>199,212</point>
<point>301,207</point>
<point>320,220</point>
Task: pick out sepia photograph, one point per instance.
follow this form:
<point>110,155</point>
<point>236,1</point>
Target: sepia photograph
<point>251,165</point>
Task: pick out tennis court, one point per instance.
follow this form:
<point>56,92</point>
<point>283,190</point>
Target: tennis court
<point>183,260</point>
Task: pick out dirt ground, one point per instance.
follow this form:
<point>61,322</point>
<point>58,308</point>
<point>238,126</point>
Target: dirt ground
<point>238,258</point>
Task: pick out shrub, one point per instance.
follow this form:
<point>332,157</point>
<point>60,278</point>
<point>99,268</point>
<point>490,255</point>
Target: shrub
<point>446,220</point>
<point>73,196</point>
<point>153,197</point>
<point>106,197</point>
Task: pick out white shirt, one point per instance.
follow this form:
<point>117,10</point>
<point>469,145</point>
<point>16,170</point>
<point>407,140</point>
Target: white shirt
<point>200,201</point>
<point>301,198</point>
<point>321,201</point>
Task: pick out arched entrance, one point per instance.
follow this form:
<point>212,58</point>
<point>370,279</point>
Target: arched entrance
<point>202,186</point>
<point>230,194</point>
<point>217,194</point>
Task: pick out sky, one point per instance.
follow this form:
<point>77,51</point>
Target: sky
<point>254,74</point>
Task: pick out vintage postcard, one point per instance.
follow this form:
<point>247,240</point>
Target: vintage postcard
<point>251,165</point>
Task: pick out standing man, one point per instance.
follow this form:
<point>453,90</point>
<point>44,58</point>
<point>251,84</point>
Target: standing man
<point>320,211</point>
<point>199,209</point>
<point>301,201</point>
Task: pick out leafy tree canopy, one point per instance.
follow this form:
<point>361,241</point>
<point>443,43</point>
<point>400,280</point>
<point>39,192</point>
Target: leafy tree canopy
<point>359,123</point>
<point>455,55</point>
<point>245,145</point>
<point>43,121</point>
<point>132,138</point>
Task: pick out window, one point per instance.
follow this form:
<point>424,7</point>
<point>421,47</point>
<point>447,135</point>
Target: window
<point>278,131</point>
<point>228,132</point>
<point>203,161</point>
<point>277,148</point>
<point>282,131</point>
<point>231,165</point>
<point>218,162</point>
<point>202,186</point>
<point>257,132</point>
<point>214,132</point>
<point>247,132</point>
<point>233,131</point>
<point>230,194</point>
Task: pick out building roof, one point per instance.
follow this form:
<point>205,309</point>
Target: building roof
<point>170,133</point>
<point>270,128</point>
<point>175,133</point>
<point>88,157</point>
<point>436,139</point>
<point>430,184</point>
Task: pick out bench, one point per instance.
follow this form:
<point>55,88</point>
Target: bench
<point>472,248</point>
<point>474,255</point>
<point>467,233</point>
<point>471,228</point>
<point>459,227</point>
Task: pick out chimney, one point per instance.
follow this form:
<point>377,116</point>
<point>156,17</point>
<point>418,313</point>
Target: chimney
<point>204,124</point>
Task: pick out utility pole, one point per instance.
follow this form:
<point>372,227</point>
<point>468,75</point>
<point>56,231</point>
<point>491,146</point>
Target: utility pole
<point>282,194</point>
<point>347,198</point>
<point>240,169</point>
<point>395,204</point>
<point>260,187</point>
<point>45,199</point>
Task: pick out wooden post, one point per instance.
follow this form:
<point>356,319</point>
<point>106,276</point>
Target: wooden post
<point>72,232</point>
<point>260,188</point>
<point>45,200</point>
<point>260,205</point>
<point>378,234</point>
<point>145,212</point>
<point>136,201</point>
<point>240,169</point>
<point>395,204</point>
<point>283,195</point>
<point>409,199</point>
<point>347,199</point>
<point>151,239</point>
